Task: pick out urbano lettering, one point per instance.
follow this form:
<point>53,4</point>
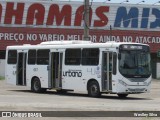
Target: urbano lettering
<point>72,73</point>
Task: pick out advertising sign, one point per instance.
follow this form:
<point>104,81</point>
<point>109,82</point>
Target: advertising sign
<point>32,22</point>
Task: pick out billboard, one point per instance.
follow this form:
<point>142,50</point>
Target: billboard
<point>32,22</point>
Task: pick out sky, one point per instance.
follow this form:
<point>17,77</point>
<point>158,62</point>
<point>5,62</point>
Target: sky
<point>150,2</point>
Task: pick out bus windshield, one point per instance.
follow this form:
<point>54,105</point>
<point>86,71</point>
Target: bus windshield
<point>135,63</point>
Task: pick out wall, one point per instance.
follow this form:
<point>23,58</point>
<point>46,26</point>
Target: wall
<point>2,67</point>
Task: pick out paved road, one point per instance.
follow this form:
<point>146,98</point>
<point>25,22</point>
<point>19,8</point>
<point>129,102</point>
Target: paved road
<point>19,98</point>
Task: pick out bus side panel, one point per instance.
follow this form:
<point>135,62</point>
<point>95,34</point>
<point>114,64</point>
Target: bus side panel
<point>10,71</point>
<point>76,78</point>
<point>43,75</point>
<point>39,71</point>
<point>31,70</point>
<point>91,73</point>
<point>72,78</point>
<point>10,74</point>
<point>115,83</point>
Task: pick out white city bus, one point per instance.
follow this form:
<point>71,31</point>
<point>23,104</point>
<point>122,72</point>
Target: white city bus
<point>115,68</point>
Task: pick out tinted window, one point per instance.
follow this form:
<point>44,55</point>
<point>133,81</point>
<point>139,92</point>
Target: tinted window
<point>2,54</point>
<point>43,57</point>
<point>73,57</point>
<point>12,57</point>
<point>90,56</point>
<point>32,57</point>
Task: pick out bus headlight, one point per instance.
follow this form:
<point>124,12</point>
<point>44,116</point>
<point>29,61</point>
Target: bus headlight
<point>122,83</point>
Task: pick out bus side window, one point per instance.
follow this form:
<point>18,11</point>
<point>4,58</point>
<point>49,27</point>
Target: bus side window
<point>72,56</point>
<point>114,63</point>
<point>43,57</point>
<point>12,57</point>
<point>90,56</point>
<point>32,57</point>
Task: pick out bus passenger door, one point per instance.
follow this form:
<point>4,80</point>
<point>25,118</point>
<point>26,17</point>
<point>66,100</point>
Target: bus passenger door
<point>107,71</point>
<point>56,70</point>
<point>21,68</point>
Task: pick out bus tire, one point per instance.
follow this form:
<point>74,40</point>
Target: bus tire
<point>93,89</point>
<point>36,86</point>
<point>122,95</point>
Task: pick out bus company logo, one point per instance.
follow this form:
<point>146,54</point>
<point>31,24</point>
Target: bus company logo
<point>72,73</point>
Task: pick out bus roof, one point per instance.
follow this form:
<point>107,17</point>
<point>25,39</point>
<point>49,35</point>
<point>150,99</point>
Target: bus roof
<point>70,44</point>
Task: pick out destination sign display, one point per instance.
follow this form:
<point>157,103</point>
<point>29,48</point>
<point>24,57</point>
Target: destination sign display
<point>134,47</point>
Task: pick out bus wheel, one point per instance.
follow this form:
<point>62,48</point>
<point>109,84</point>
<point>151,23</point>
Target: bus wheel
<point>122,95</point>
<point>93,89</point>
<point>36,85</point>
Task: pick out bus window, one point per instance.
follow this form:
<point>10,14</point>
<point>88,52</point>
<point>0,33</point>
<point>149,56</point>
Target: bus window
<point>2,54</point>
<point>43,57</point>
<point>90,56</point>
<point>12,57</point>
<point>32,57</point>
<point>73,57</point>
